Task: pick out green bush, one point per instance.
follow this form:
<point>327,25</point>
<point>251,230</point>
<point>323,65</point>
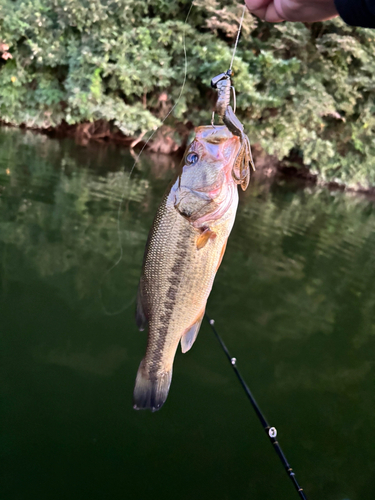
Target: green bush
<point>305,89</point>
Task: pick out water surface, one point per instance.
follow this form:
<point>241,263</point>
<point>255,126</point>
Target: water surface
<point>294,300</point>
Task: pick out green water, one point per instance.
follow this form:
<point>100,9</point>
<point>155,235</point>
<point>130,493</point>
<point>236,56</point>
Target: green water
<point>294,301</point>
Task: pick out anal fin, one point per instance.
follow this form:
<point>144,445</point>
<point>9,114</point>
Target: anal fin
<point>188,338</point>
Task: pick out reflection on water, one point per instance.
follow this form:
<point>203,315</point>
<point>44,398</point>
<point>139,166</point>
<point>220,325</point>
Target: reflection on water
<point>294,300</point>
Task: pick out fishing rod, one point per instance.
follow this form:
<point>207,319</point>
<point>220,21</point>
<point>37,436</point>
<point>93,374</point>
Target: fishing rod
<point>270,431</point>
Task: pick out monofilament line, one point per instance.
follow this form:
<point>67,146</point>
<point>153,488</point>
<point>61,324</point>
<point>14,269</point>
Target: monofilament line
<point>136,161</point>
<point>238,36</point>
<point>270,431</point>
<point>178,98</point>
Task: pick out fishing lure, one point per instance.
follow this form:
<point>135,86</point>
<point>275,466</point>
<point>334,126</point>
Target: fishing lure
<point>244,160</point>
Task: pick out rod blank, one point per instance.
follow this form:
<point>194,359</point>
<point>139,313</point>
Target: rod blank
<point>270,431</point>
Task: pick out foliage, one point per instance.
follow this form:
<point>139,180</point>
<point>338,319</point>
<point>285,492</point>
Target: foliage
<point>302,89</point>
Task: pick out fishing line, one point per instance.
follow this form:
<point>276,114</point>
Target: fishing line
<point>178,98</point>
<point>270,431</point>
<point>238,36</point>
<point>131,171</point>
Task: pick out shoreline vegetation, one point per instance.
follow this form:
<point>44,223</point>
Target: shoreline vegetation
<point>111,71</point>
<point>268,167</point>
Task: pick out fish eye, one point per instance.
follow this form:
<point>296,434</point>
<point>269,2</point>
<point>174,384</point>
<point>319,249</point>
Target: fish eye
<point>192,158</point>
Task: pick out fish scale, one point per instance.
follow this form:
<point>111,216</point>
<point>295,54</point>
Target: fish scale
<point>182,256</point>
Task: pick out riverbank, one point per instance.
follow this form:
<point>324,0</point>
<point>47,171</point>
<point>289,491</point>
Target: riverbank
<point>268,167</point>
<point>102,75</point>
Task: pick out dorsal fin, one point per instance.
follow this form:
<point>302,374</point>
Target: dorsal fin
<point>140,317</point>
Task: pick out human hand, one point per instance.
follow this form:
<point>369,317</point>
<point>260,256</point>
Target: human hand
<point>309,11</point>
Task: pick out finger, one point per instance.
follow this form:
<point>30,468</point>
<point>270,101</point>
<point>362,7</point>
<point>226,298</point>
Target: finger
<point>261,13</point>
<point>264,9</point>
<point>257,5</point>
<point>306,11</point>
<point>272,15</point>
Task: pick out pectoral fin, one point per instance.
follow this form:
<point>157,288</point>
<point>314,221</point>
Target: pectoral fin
<point>204,237</point>
<point>140,317</point>
<point>188,339</point>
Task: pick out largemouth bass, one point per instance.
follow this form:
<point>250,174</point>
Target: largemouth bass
<point>183,253</point>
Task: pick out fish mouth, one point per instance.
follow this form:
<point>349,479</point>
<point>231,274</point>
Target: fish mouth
<point>218,140</point>
<point>213,135</point>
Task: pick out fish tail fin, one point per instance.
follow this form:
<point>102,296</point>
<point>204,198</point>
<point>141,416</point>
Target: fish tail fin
<point>150,392</point>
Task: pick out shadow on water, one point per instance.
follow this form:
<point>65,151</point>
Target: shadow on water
<point>294,300</point>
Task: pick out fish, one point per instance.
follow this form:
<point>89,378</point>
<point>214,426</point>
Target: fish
<point>183,252</point>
